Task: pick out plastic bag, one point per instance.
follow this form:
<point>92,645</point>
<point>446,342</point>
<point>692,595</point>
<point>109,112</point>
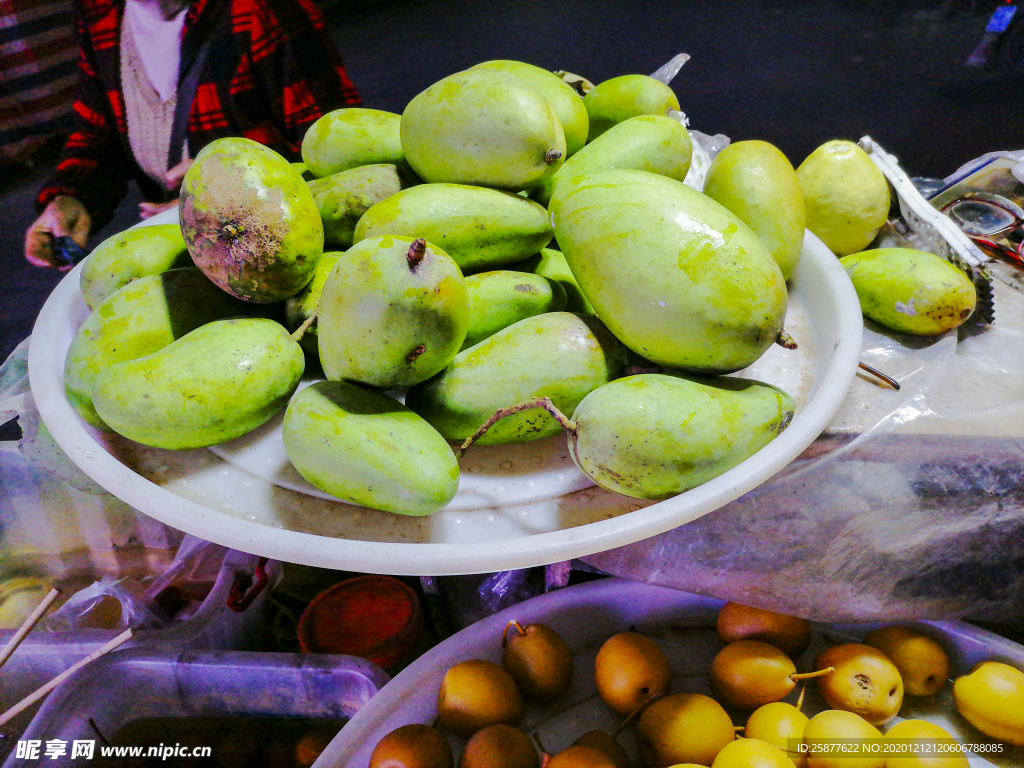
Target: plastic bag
<point>36,443</point>
<point>477,596</point>
<point>181,589</point>
<point>106,604</point>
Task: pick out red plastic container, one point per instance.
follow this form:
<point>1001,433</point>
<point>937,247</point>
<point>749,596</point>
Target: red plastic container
<point>375,617</point>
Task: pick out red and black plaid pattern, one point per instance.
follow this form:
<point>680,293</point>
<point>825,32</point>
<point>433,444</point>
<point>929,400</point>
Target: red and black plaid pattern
<point>271,72</point>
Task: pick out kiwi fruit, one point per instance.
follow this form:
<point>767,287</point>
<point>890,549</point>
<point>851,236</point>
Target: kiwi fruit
<point>499,746</point>
<point>631,670</point>
<point>475,694</point>
<point>789,634</point>
<point>538,660</point>
<point>412,746</point>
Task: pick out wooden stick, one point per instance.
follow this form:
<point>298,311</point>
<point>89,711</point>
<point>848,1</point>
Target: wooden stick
<point>32,698</point>
<point>27,626</point>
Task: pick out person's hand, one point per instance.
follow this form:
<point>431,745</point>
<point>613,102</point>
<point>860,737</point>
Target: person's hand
<point>149,210</point>
<point>63,216</point>
<point>177,173</point>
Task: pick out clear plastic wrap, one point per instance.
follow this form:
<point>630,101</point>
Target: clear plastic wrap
<point>113,604</point>
<point>475,597</point>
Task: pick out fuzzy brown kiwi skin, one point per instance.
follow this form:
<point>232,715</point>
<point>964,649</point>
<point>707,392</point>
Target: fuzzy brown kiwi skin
<point>539,661</point>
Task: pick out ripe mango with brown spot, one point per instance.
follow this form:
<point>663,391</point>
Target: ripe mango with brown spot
<point>250,221</point>
<point>910,291</point>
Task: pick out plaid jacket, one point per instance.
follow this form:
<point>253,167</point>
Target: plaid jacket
<point>271,73</point>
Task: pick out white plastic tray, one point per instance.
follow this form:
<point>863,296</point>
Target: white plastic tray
<point>514,510</point>
<point>683,626</point>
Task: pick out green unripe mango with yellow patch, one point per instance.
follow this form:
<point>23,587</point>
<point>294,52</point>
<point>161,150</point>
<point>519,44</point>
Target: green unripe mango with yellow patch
<point>568,105</point>
<point>910,291</point>
<point>846,198</point>
<point>754,180</point>
<point>551,264</point>
<point>342,198</point>
<point>393,312</point>
<point>499,299</point>
<point>129,255</point>
<point>300,307</point>
<point>650,143</point>
<point>484,128</point>
<point>676,277</point>
<point>652,436</point>
<point>214,384</point>
<point>250,221</point>
<point>613,101</point>
<point>141,318</point>
<point>366,448</point>
<point>558,355</point>
<point>482,229</point>
<point>350,138</point>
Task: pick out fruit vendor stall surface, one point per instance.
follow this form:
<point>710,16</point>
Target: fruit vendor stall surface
<point>516,507</point>
<point>683,626</point>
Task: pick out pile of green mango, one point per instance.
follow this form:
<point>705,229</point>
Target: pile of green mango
<point>506,252</point>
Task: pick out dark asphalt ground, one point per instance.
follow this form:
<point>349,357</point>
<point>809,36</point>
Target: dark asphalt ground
<point>795,73</point>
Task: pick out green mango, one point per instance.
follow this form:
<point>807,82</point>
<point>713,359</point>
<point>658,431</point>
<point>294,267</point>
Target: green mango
<point>551,264</point>
<point>621,98</point>
<point>366,448</point>
<point>754,180</point>
<point>499,299</point>
<point>485,128</point>
<point>646,143</point>
<point>568,105</point>
<point>674,275</point>
<point>250,221</point>
<point>216,383</point>
<point>654,435</point>
<point>302,305</point>
<point>141,318</point>
<point>349,138</point>
<point>342,198</point>
<point>557,355</point>
<point>393,312</point>
<point>480,228</point>
<point>910,291</point>
<point>129,255</point>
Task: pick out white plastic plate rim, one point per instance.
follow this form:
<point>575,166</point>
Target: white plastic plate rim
<point>611,605</point>
<point>46,359</point>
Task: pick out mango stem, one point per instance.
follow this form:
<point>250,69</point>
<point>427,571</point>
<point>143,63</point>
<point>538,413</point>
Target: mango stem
<point>416,252</point>
<point>536,402</point>
<point>800,698</point>
<point>816,673</point>
<point>551,156</point>
<point>301,330</point>
<point>504,635</point>
<point>785,340</point>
